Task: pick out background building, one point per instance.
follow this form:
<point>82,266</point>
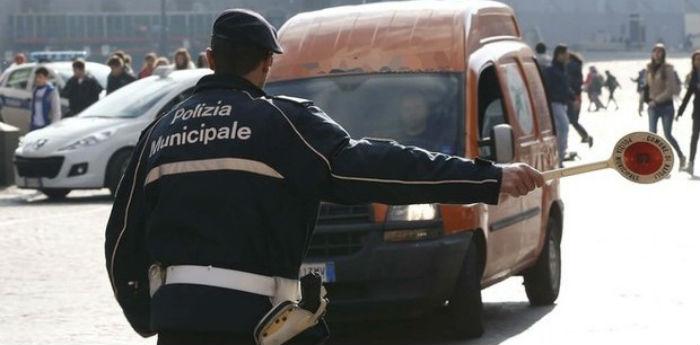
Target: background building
<point>605,24</point>
<point>101,26</point>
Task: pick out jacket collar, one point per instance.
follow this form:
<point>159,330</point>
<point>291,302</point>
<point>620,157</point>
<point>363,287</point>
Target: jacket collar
<point>228,81</point>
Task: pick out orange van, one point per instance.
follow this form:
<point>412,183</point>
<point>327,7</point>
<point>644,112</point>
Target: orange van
<point>448,76</point>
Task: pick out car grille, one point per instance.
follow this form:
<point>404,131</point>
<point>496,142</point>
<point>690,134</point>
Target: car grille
<point>332,214</point>
<point>336,244</point>
<point>38,167</point>
<point>328,243</point>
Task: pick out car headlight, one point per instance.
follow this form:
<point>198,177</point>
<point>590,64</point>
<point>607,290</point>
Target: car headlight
<point>90,140</point>
<point>413,212</point>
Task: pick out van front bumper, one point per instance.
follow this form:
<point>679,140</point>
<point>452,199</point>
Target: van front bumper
<point>395,279</point>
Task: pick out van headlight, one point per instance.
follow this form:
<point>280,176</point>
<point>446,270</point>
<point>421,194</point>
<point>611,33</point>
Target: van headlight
<point>413,223</point>
<point>407,213</point>
<point>89,140</point>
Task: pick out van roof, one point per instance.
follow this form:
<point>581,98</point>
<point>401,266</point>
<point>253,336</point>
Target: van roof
<point>423,35</point>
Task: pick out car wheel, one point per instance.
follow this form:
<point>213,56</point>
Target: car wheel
<point>116,168</point>
<point>55,193</point>
<point>542,281</point>
<point>465,308</point>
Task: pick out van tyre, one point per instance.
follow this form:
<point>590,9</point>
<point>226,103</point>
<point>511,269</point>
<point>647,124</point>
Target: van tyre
<point>116,168</point>
<point>465,308</point>
<point>542,281</point>
<point>55,193</point>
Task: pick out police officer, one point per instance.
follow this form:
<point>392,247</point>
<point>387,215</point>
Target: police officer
<point>216,208</point>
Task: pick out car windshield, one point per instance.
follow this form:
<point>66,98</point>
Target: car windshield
<point>419,109</point>
<point>132,100</point>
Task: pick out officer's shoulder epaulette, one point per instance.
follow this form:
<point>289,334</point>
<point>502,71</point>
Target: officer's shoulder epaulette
<point>301,101</point>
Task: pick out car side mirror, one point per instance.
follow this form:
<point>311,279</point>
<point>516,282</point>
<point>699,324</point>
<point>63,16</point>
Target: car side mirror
<point>502,148</point>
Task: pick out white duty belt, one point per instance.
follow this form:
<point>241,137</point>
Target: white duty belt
<point>277,288</point>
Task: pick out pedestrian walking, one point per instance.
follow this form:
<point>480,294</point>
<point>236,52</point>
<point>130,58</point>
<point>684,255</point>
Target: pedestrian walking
<point>228,259</point>
<point>46,102</point>
<point>81,90</point>
<point>693,92</point>
<point>126,61</point>
<point>149,64</point>
<point>543,60</point>
<point>641,83</point>
<point>183,60</point>
<point>594,87</point>
<point>118,77</point>
<point>560,94</point>
<point>574,71</point>
<point>202,60</point>
<point>612,85</point>
<point>659,91</point>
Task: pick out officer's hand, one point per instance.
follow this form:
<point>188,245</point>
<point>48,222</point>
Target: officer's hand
<point>519,179</point>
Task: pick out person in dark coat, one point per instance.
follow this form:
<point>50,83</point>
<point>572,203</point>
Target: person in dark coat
<point>81,90</point>
<point>243,202</point>
<point>119,75</point>
<point>693,91</point>
<point>641,83</point>
<point>560,94</point>
<point>612,85</point>
<point>574,71</point>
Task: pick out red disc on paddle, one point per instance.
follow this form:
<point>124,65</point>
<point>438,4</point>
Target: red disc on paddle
<point>643,158</point>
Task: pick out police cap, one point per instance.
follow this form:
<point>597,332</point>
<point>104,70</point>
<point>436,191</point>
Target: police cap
<point>242,26</point>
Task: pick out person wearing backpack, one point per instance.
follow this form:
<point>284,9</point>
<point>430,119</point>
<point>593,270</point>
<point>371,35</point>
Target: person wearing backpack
<point>594,87</point>
<point>612,85</point>
<point>660,89</point>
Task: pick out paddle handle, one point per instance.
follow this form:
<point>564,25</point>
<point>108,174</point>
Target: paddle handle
<point>580,169</point>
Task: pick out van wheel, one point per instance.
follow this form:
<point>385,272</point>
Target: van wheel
<point>465,308</point>
<point>55,193</point>
<point>116,168</point>
<point>542,281</point>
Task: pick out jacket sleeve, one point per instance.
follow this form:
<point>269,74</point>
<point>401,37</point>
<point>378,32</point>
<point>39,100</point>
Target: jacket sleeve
<point>67,91</point>
<point>686,99</point>
<point>126,256</point>
<point>55,107</point>
<point>358,171</point>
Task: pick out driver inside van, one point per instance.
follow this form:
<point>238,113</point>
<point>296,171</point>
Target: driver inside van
<point>414,110</point>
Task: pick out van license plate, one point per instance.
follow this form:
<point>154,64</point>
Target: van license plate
<point>325,269</point>
<point>32,182</point>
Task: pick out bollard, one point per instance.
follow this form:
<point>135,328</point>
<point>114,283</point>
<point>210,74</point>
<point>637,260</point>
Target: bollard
<point>9,138</point>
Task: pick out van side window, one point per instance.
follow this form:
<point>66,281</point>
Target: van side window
<point>491,111</point>
<point>539,96</point>
<point>519,97</point>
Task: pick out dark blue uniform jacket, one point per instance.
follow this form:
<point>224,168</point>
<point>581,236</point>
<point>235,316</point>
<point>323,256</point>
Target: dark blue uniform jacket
<point>233,178</point>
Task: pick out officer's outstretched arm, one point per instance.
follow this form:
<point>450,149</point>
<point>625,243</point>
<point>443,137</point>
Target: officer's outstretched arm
<point>357,171</point>
<point>125,253</point>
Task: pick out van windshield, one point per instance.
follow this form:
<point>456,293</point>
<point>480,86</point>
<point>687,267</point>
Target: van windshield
<point>418,109</point>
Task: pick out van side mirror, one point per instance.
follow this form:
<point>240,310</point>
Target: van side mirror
<point>502,148</point>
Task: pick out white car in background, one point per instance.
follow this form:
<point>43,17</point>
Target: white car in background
<point>91,150</point>
<point>16,85</point>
